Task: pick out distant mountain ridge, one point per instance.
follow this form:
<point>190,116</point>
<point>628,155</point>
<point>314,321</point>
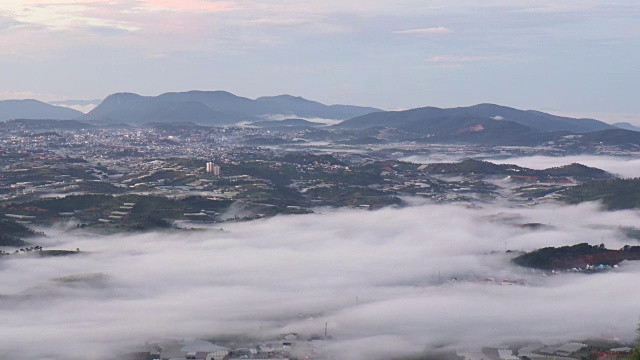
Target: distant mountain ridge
<point>34,109</point>
<point>626,126</point>
<point>483,124</point>
<point>212,108</point>
<point>488,124</point>
<point>478,167</point>
<point>428,119</point>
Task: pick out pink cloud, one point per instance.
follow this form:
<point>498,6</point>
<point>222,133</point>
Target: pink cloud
<point>277,22</point>
<point>191,5</point>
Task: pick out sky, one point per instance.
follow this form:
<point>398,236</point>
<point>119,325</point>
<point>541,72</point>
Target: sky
<point>296,273</point>
<point>567,57</point>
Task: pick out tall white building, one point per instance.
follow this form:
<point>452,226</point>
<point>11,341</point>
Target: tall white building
<point>213,168</point>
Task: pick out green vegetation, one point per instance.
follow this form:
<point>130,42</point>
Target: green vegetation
<point>310,159</point>
<point>280,176</point>
<point>538,190</point>
<point>12,233</point>
<point>477,167</point>
<point>576,256</point>
<point>149,212</point>
<point>616,194</point>
<point>55,253</point>
<point>352,196</point>
<point>12,241</point>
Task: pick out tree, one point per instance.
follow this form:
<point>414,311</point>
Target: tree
<point>636,352</point>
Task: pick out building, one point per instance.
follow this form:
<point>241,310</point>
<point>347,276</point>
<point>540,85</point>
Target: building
<point>213,168</point>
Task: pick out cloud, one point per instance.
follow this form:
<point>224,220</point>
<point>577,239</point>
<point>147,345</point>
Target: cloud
<point>62,14</point>
<point>294,273</point>
<point>426,31</point>
<point>271,22</point>
<point>459,59</point>
<point>8,22</point>
<point>20,95</point>
<point>190,5</point>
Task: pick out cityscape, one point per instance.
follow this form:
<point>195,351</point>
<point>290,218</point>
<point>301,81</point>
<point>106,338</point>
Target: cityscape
<point>319,180</point>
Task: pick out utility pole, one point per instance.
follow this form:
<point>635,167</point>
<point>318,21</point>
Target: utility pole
<point>326,324</point>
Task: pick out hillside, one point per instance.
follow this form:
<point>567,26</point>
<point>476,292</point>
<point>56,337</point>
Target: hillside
<point>614,194</point>
<point>211,108</point>
<point>12,233</point>
<point>576,257</point>
<point>477,167</point>
<point>424,120</point>
<point>611,137</point>
<point>34,109</point>
<point>307,108</point>
<point>42,124</point>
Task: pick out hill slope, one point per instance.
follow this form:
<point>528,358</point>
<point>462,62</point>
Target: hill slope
<point>576,256</point>
<point>614,194</point>
<point>34,109</point>
<point>307,108</point>
<point>477,167</point>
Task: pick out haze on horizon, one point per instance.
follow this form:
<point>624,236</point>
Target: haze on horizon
<point>575,57</point>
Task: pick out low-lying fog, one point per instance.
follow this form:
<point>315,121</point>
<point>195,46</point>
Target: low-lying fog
<point>294,273</point>
<point>622,166</point>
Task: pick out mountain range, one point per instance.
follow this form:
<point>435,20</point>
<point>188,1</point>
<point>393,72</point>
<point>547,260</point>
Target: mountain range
<point>487,124</point>
<point>432,119</point>
<point>212,108</point>
<point>490,124</point>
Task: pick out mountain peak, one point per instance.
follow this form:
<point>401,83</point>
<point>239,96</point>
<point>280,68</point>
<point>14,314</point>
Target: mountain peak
<point>286,98</point>
<point>123,96</point>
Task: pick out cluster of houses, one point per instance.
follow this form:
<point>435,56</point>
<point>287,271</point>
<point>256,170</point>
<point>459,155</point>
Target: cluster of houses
<point>539,351</point>
<point>288,347</point>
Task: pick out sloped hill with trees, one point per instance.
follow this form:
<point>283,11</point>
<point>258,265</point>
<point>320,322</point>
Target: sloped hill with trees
<point>576,256</point>
<point>615,194</point>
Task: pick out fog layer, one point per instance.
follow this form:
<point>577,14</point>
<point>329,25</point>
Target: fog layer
<point>294,273</point>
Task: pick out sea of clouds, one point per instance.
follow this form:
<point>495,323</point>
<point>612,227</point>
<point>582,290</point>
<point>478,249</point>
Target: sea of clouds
<point>296,273</point>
